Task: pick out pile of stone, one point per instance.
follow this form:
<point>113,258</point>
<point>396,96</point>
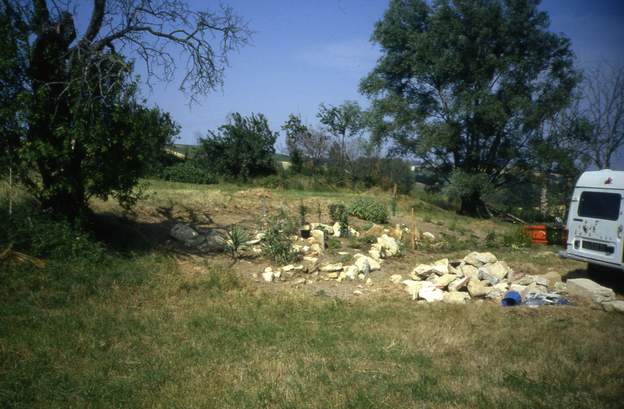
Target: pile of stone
<point>478,275</point>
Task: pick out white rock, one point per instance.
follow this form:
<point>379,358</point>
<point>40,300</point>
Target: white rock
<point>428,236</point>
<point>430,293</point>
<point>499,269</point>
<point>332,275</point>
<point>389,245</point>
<point>267,276</point>
<point>615,305</point>
<point>560,287</point>
<point>268,269</point>
<point>443,281</point>
<point>520,289</point>
<point>357,292</point>
<point>459,284</point>
<point>331,267</point>
<point>478,259</point>
<point>361,276</point>
<point>375,253</point>
<point>396,278</point>
<point>469,271</point>
<point>485,275</point>
<point>412,287</point>
<point>421,271</point>
<point>455,297</point>
<point>299,281</point>
<point>369,282</point>
<point>476,288</point>
<point>586,288</point>
<point>350,272</point>
<point>361,261</point>
<point>310,259</point>
<point>287,268</point>
<point>319,238</point>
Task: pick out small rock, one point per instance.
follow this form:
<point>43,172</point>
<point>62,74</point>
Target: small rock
<point>615,305</point>
<point>430,294</point>
<point>310,259</point>
<point>186,234</point>
<point>288,268</point>
<point>299,281</point>
<point>349,272</point>
<point>520,289</point>
<point>586,288</point>
<point>459,284</point>
<point>277,275</point>
<point>476,288</point>
<point>443,281</point>
<point>332,267</point>
<point>375,253</point>
<point>396,278</point>
<point>369,282</point>
<point>428,236</point>
<point>361,276</point>
<point>469,271</point>
<point>267,276</point>
<point>357,292</point>
<point>361,261</point>
<point>412,287</point>
<point>332,275</point>
<point>484,274</point>
<point>455,297</point>
<point>319,238</point>
<point>478,259</point>
<point>500,269</point>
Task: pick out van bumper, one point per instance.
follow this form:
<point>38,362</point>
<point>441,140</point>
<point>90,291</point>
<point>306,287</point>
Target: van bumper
<point>565,254</point>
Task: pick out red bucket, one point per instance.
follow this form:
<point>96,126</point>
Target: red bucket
<point>537,234</point>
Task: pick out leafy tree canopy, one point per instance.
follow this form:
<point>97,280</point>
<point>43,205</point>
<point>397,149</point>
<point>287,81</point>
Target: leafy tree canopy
<point>242,148</point>
<point>465,85</point>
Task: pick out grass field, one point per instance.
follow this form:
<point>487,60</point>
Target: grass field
<point>137,328</point>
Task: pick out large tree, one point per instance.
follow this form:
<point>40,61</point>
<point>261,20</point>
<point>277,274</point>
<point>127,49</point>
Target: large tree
<point>77,120</point>
<point>465,86</point>
<point>241,149</point>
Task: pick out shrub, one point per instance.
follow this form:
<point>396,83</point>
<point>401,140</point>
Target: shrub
<point>516,238</point>
<point>276,244</point>
<point>338,213</point>
<point>188,171</point>
<point>369,209</point>
<point>235,240</point>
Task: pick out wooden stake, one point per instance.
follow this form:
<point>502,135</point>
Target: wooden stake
<point>10,191</point>
<point>413,231</point>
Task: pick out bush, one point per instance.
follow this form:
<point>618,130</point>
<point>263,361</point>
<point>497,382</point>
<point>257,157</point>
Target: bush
<point>242,148</point>
<point>188,171</point>
<point>338,213</point>
<point>276,244</point>
<point>369,209</point>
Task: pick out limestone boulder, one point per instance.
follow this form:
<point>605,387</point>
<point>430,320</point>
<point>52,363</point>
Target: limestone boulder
<point>478,259</point>
<point>455,297</point>
<point>477,288</point>
<point>588,289</point>
<point>458,284</point>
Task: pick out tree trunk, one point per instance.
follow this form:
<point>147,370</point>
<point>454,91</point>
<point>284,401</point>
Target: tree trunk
<point>472,205</point>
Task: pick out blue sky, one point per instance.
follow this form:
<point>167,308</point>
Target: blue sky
<point>307,52</point>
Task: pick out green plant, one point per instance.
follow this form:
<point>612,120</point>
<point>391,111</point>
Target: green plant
<point>516,238</point>
<point>236,237</point>
<point>369,209</point>
<point>188,171</point>
<point>276,245</point>
<point>333,243</point>
<point>338,213</point>
<point>393,205</point>
<point>303,210</point>
<point>490,239</point>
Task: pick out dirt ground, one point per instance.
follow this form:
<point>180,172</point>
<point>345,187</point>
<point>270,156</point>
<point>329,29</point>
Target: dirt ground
<point>219,207</point>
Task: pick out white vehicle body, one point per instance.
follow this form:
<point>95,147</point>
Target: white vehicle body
<point>596,219</point>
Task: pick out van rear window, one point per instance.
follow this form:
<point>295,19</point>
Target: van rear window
<point>600,205</point>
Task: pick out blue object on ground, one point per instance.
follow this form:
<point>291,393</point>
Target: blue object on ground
<point>511,298</point>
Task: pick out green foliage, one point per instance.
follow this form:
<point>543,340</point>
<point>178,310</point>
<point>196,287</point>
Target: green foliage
<point>41,235</point>
<point>235,239</point>
<point>490,239</point>
<point>338,213</point>
<point>516,238</point>
<point>242,148</point>
<point>188,171</point>
<point>276,244</point>
<point>367,208</point>
<point>333,243</point>
<point>479,105</point>
<point>216,281</point>
<point>303,210</point>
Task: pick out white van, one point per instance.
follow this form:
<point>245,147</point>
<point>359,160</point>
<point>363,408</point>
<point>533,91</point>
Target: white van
<point>596,220</point>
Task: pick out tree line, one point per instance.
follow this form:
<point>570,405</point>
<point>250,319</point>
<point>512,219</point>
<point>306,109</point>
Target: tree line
<point>480,95</point>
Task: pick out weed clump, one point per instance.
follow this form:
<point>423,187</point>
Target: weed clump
<point>369,209</point>
<point>276,244</point>
<point>235,241</point>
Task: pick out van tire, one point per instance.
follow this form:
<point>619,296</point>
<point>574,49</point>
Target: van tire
<point>597,270</point>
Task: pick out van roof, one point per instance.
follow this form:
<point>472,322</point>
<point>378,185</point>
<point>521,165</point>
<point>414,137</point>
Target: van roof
<point>602,179</point>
